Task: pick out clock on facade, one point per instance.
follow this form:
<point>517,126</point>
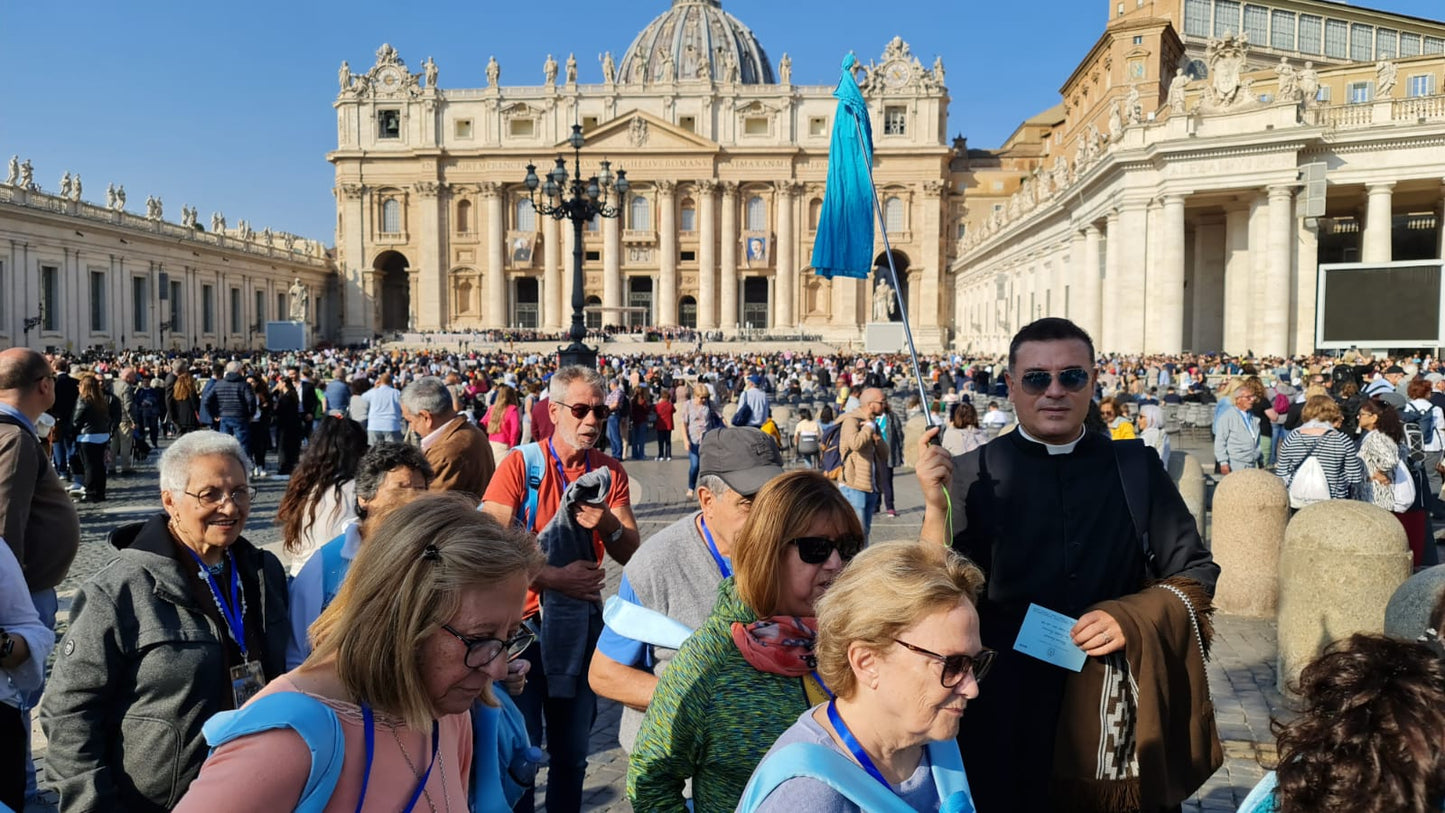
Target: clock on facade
<point>895,74</point>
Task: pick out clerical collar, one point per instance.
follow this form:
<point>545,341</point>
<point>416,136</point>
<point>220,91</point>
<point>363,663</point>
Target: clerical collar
<point>1054,448</point>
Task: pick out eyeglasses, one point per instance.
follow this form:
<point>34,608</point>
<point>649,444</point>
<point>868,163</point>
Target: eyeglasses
<point>815,550</point>
<point>217,497</point>
<point>956,666</point>
<point>482,651</point>
<point>1035,382</point>
<point>579,411</point>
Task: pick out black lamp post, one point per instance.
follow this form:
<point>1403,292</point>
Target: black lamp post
<point>164,327</point>
<point>32,322</point>
<point>578,201</point>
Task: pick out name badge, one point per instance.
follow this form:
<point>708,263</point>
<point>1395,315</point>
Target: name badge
<point>1045,635</point>
<point>246,680</point>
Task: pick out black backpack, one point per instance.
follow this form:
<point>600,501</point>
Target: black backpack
<point>831,460</point>
<point>1419,429</point>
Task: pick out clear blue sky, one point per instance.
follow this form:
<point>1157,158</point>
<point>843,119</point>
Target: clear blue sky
<point>228,105</point>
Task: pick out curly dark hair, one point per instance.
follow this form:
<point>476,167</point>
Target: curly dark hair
<point>381,459</point>
<point>1389,419</point>
<point>1372,735</point>
<point>330,461</point>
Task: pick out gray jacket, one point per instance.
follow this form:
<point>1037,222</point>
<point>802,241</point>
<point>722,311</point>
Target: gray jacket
<point>570,627</point>
<point>1236,439</point>
<point>142,668</point>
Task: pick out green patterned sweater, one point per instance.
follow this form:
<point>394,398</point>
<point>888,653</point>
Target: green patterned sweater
<point>712,719</point>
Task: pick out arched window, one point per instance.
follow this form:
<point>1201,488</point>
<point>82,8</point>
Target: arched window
<point>688,220</point>
<point>526,215</point>
<point>391,216</point>
<point>464,217</point>
<point>592,314</point>
<point>815,211</point>
<point>757,214</point>
<point>893,214</point>
<point>639,214</point>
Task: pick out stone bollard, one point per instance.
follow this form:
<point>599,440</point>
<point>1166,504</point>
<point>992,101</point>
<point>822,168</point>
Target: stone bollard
<point>727,412</point>
<point>1251,509</point>
<point>913,428</point>
<point>1341,562</point>
<point>1188,476</point>
<point>1408,613</point>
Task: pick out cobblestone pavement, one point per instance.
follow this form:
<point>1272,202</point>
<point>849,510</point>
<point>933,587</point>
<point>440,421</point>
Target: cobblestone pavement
<point>1241,672</point>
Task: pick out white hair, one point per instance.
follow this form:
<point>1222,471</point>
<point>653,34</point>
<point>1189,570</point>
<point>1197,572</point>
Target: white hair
<point>567,376</point>
<point>427,394</point>
<point>181,455</point>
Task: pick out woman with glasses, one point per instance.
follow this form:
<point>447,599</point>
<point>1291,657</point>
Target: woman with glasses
<point>430,615</point>
<point>898,643</point>
<point>747,673</point>
<point>187,621</point>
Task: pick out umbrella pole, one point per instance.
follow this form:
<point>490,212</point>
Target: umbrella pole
<point>897,289</point>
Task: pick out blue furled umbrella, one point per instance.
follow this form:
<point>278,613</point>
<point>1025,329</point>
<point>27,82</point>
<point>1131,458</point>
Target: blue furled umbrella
<point>844,246</point>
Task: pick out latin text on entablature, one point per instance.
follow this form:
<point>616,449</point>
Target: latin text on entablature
<point>759,163</point>
<point>492,165</point>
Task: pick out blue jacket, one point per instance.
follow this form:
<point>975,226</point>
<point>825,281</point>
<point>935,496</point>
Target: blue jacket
<point>232,398</point>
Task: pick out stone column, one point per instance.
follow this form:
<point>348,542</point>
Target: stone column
<point>783,274</point>
<point>1307,264</point>
<point>1109,338</point>
<point>553,306</point>
<point>929,288</point>
<point>1166,282</point>
<point>666,290</point>
<point>1275,320</point>
<point>728,296</point>
<point>357,320</point>
<point>1376,246</point>
<point>1090,297</point>
<point>706,194</point>
<point>1128,285</point>
<point>496,315</point>
<point>612,271</point>
<point>431,304</point>
<point>1236,278</point>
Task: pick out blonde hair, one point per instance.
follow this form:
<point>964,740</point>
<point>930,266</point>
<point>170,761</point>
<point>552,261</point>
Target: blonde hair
<point>783,510</point>
<point>397,593</point>
<point>885,590</point>
<point>1321,408</point>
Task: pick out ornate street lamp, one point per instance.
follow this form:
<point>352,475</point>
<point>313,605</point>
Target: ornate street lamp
<point>32,322</point>
<point>578,201</point>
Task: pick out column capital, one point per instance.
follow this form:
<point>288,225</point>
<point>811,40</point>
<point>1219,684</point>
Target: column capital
<point>1284,190</point>
<point>787,188</point>
<point>707,186</point>
<point>1380,187</point>
<point>350,190</point>
<point>666,187</point>
<point>935,188</point>
<point>489,189</point>
<point>429,189</point>
<point>729,188</point>
<point>1173,198</point>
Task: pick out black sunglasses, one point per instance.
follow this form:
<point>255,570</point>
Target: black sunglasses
<point>579,411</point>
<point>956,666</point>
<point>815,550</point>
<point>1035,382</point>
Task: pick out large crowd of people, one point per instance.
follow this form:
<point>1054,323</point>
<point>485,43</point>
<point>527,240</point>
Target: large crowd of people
<point>438,630</point>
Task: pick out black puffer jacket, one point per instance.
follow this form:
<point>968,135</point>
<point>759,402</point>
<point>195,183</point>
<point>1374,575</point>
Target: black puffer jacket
<point>95,419</point>
<point>231,397</point>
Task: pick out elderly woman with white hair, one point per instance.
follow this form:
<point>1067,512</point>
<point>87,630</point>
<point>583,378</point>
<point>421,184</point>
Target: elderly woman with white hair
<point>898,645</point>
<point>1151,430</point>
<point>188,620</point>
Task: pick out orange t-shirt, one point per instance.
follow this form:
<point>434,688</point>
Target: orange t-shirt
<point>509,487</point>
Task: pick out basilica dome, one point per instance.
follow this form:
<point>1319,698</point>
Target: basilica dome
<point>696,39</point>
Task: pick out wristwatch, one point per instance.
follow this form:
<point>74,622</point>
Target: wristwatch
<point>7,645</point>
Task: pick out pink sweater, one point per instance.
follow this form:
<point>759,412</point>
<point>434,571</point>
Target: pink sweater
<point>267,771</point>
<point>511,432</point>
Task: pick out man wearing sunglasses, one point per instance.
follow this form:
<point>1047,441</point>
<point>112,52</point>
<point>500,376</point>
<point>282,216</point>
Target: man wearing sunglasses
<point>579,415</point>
<point>677,572</point>
<point>1045,511</point>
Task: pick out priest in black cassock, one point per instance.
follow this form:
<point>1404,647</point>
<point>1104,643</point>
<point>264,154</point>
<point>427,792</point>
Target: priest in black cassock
<point>1046,512</point>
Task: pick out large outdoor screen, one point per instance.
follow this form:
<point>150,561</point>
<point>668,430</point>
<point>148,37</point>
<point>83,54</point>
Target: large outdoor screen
<point>1380,305</point>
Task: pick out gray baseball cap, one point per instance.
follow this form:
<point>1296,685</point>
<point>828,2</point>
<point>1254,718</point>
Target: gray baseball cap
<point>745,458</point>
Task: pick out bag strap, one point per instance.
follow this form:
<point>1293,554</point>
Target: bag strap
<point>310,718</point>
<point>532,460</point>
<point>1132,466</point>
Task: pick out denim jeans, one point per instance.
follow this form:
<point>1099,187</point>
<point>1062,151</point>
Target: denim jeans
<point>864,503</point>
<point>568,724</point>
<point>47,604</point>
<point>238,428</point>
<point>614,435</point>
<point>639,441</point>
<point>374,437</point>
<point>60,454</point>
<point>692,466</point>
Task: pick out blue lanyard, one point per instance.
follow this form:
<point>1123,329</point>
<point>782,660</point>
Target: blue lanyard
<point>235,612</point>
<point>369,728</point>
<point>722,564</point>
<point>823,685</point>
<point>557,461</point>
<point>851,743</point>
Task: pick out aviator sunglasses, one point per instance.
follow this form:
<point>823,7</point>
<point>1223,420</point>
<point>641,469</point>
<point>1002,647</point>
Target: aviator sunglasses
<point>1035,382</point>
<point>579,411</point>
<point>956,666</point>
<point>815,550</point>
